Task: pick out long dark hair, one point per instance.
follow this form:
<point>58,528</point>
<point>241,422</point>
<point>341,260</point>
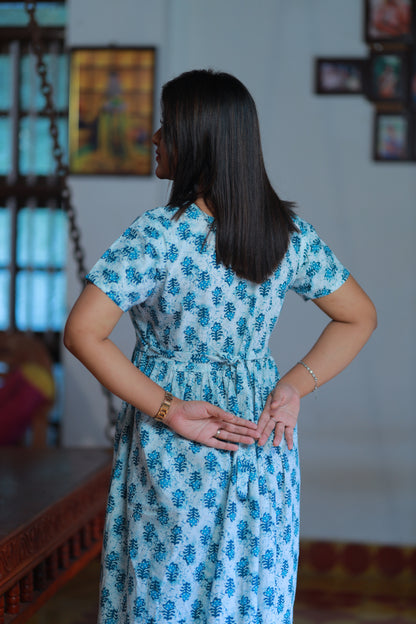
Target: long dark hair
<point>211,131</point>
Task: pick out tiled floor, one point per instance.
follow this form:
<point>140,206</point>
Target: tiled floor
<point>338,584</point>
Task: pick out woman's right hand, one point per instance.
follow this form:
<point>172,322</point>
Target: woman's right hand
<point>280,415</point>
<point>208,424</point>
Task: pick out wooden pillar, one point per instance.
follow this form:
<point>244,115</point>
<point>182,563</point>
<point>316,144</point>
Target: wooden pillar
<point>26,588</point>
<point>13,600</point>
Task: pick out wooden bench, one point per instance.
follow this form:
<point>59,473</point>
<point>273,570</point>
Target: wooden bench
<point>52,505</point>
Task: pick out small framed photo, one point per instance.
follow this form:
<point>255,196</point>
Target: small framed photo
<point>389,20</point>
<point>111,111</point>
<point>392,137</point>
<point>340,76</point>
<point>388,77</point>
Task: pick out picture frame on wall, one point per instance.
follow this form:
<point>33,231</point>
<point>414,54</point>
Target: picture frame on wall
<point>388,77</point>
<point>111,111</point>
<point>340,76</point>
<point>392,137</point>
<point>389,21</point>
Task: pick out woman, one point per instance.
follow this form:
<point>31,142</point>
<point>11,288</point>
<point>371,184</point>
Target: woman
<point>202,519</point>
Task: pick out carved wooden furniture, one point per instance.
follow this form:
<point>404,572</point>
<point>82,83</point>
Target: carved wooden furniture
<point>52,506</point>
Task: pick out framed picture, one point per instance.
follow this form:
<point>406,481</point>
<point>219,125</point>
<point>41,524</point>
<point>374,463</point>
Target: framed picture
<point>388,77</point>
<point>392,137</point>
<point>111,111</point>
<point>340,76</point>
<point>389,20</point>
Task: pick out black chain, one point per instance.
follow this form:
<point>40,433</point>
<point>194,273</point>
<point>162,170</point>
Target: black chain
<point>62,171</point>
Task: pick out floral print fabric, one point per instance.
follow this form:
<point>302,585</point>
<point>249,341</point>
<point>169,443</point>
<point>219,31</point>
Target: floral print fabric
<point>195,534</point>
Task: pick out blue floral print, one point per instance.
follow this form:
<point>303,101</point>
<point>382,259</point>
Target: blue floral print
<point>195,534</point>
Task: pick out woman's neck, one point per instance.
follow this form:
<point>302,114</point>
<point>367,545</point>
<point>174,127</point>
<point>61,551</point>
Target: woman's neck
<point>202,205</point>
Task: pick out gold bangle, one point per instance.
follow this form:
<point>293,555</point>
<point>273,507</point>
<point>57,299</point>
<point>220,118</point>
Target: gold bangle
<point>164,408</point>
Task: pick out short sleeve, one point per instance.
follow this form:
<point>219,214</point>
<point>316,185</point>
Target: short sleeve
<point>128,272</point>
<point>319,271</point>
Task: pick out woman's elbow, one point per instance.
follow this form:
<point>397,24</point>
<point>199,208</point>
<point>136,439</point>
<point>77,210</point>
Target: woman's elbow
<point>69,337</point>
<point>370,319</point>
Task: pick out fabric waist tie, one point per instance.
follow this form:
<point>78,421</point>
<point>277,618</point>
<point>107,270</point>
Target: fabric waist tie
<point>244,461</point>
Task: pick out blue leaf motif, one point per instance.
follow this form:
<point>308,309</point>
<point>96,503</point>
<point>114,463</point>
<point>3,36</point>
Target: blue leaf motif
<point>172,572</point>
<point>230,549</point>
<point>160,552</point>
<point>266,523</point>
<point>210,498</point>
<point>195,481</point>
<point>241,291</point>
<point>267,560</point>
<point>162,514</point>
<point>142,569</point>
<point>184,231</point>
<point>199,573</point>
<point>203,316</point>
<point>193,516</point>
<point>244,605</point>
<point>232,511</point>
<point>185,591</point>
<point>229,587</point>
<point>205,535</point>
<point>119,525</point>
<point>155,590</point>
<point>215,608</point>
<point>242,530</point>
<point>111,277</point>
<point>229,310</point>
<point>168,610</point>
<point>211,463</point>
<point>172,253</point>
<point>173,286</point>
<point>111,560</point>
<point>269,595</point>
<point>164,478</point>
<point>133,548</point>
<point>197,610</point>
<point>216,296</point>
<point>189,554</point>
<point>176,535</point>
<point>203,280</point>
<point>216,331</point>
<point>187,266</point>
<point>180,463</point>
<point>178,498</point>
<point>149,532</point>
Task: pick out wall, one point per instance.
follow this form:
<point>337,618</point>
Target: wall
<point>358,432</point>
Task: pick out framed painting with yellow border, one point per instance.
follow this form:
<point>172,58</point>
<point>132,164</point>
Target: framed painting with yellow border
<point>111,111</point>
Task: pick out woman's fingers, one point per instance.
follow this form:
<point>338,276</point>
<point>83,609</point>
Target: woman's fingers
<point>225,446</point>
<point>237,438</point>
<point>289,437</point>
<point>233,419</point>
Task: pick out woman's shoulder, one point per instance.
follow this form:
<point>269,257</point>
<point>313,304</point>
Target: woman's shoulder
<point>159,219</point>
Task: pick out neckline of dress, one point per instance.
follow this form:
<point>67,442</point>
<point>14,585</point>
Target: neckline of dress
<point>198,210</point>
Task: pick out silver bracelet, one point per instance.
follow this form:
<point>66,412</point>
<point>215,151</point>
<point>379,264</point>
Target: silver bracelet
<point>315,378</point>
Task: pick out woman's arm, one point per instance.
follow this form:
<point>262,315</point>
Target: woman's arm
<point>353,319</point>
<point>87,332</point>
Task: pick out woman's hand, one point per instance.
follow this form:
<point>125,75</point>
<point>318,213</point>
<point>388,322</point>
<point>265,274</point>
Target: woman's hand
<point>210,425</point>
<point>280,415</point>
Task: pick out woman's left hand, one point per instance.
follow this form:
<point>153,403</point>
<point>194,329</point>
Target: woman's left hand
<point>280,414</point>
<point>208,424</point>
